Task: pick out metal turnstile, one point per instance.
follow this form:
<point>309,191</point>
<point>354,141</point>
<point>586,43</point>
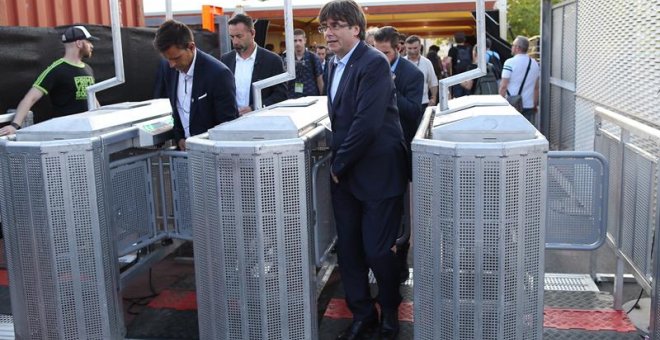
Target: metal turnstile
<point>56,193</point>
<point>255,228</point>
<point>479,196</point>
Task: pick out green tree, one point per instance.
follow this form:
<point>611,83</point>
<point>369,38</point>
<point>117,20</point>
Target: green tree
<point>524,17</point>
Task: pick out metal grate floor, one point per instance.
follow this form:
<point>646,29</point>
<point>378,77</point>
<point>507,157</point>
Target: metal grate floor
<point>570,282</point>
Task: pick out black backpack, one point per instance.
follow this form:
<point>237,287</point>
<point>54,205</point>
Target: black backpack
<point>463,58</point>
<point>497,66</point>
<point>487,84</point>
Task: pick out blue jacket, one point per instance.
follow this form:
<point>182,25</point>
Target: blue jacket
<point>367,141</point>
<point>213,99</point>
<point>409,82</point>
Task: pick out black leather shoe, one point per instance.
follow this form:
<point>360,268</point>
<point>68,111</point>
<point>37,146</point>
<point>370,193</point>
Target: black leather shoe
<point>358,329</point>
<point>389,325</point>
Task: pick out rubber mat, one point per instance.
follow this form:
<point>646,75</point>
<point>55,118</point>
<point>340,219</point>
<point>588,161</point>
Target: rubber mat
<point>574,334</point>
<point>337,309</point>
<point>591,320</point>
<point>5,301</point>
<point>164,324</point>
<point>329,329</point>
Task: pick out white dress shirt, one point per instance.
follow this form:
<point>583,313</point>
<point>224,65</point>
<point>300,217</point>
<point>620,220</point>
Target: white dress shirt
<point>184,95</point>
<point>243,78</point>
<point>339,71</point>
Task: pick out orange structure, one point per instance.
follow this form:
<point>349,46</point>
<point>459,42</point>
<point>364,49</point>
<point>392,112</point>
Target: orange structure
<point>50,13</point>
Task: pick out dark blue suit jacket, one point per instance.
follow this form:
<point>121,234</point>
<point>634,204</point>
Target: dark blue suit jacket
<point>409,82</point>
<point>369,152</point>
<point>213,99</point>
<point>266,65</point>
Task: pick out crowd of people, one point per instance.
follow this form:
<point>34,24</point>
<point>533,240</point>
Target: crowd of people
<point>378,83</point>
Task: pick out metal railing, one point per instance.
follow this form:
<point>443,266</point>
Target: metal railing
<point>632,149</point>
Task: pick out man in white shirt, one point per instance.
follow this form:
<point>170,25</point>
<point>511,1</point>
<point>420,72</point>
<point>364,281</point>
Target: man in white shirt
<point>521,68</point>
<point>251,63</point>
<point>413,54</point>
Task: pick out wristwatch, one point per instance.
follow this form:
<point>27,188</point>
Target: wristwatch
<point>15,125</point>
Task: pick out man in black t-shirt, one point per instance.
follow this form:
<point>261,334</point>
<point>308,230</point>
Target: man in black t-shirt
<point>65,81</point>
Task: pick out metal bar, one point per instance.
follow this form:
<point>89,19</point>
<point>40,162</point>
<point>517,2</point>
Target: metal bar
<point>561,84</point>
<point>656,274</point>
<point>147,262</point>
<point>118,56</point>
<point>618,280</point>
<point>629,124</point>
<point>424,127</point>
<point>168,10</point>
<point>546,57</point>
<point>290,61</point>
<point>445,83</point>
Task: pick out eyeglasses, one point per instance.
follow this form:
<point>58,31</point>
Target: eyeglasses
<point>333,26</point>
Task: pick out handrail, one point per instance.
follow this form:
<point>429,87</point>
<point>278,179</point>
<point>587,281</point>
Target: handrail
<point>481,61</point>
<point>290,61</point>
<point>119,78</point>
<point>629,124</point>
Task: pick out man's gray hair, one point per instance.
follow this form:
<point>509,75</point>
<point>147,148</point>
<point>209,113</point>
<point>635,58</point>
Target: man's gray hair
<point>522,42</point>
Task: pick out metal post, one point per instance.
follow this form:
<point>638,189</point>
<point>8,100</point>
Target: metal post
<point>480,18</point>
<point>546,60</point>
<point>618,279</point>
<point>118,79</point>
<point>290,60</point>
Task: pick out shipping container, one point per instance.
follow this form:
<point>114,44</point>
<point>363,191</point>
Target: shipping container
<point>51,13</point>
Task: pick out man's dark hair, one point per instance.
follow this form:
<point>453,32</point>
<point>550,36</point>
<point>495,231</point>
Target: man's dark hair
<point>321,47</point>
<point>241,18</point>
<point>413,39</point>
<point>459,37</point>
<point>388,34</point>
<point>299,31</point>
<point>269,47</point>
<point>434,48</point>
<point>173,33</point>
<point>344,10</point>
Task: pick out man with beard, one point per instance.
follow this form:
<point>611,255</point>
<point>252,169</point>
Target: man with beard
<point>251,63</point>
<point>65,81</point>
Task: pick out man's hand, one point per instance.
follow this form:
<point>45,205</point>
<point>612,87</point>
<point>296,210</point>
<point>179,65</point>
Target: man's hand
<point>334,177</point>
<point>433,101</point>
<point>182,144</point>
<point>7,130</point>
<point>243,110</point>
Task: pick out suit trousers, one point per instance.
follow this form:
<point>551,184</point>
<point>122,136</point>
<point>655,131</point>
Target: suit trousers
<point>366,232</point>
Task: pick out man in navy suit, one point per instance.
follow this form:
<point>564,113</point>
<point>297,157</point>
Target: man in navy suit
<point>201,88</point>
<point>369,172</point>
<point>409,83</point>
<point>250,63</point>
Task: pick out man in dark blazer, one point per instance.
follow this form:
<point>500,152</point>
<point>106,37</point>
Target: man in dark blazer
<point>409,83</point>
<point>250,63</point>
<point>368,171</point>
<point>201,88</point>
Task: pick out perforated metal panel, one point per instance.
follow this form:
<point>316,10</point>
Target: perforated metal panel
<point>562,73</point>
<point>133,210</point>
<point>577,200</point>
<point>61,254</point>
<point>609,146</point>
<point>252,225</point>
<point>180,181</point>
<point>608,68</point>
<point>479,221</point>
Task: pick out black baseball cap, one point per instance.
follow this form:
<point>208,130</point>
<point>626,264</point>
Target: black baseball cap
<point>75,33</point>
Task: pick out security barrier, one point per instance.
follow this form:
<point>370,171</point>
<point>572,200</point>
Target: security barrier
<point>254,224</point>
<point>479,188</point>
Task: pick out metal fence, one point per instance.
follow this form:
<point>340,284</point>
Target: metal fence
<point>563,60</point>
<point>632,149</point>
